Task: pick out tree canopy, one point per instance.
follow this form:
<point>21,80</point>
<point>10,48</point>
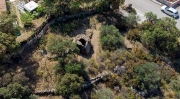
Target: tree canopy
<point>74,69</point>
<point>132,20</point>
<point>8,30</point>
<point>62,7</point>
<point>110,37</point>
<point>7,24</point>
<point>61,47</point>
<point>147,76</point>
<point>70,83</point>
<point>15,91</point>
<point>161,36</point>
<point>150,16</point>
<point>7,43</point>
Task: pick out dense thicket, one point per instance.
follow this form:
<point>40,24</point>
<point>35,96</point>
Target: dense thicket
<point>64,7</point>
<point>159,35</point>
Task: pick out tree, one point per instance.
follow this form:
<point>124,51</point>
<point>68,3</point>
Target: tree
<point>74,69</point>
<point>174,84</point>
<point>7,24</point>
<point>110,37</point>
<point>101,5</point>
<point>116,3</point>
<point>7,43</point>
<point>132,20</point>
<point>104,5</point>
<point>15,91</point>
<point>150,16</point>
<point>62,47</point>
<point>70,83</point>
<point>64,7</point>
<point>8,30</point>
<point>61,7</point>
<point>147,76</point>
<point>161,36</point>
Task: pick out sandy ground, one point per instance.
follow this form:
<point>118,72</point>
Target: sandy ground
<point>128,43</point>
<point>95,41</point>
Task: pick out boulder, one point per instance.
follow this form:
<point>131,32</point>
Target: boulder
<point>119,70</point>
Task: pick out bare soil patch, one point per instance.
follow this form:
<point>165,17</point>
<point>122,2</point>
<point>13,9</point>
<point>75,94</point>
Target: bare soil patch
<point>95,41</point>
<point>38,22</point>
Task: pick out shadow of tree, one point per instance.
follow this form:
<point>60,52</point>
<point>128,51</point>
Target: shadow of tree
<point>176,65</point>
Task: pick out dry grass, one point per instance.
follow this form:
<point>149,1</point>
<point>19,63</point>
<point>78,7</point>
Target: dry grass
<point>45,70</point>
<point>38,22</point>
<point>24,36</point>
<point>50,97</point>
<point>26,33</point>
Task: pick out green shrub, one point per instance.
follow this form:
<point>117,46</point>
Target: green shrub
<point>105,93</point>
<point>147,76</point>
<point>110,37</point>
<point>69,84</point>
<point>15,91</point>
<point>74,69</point>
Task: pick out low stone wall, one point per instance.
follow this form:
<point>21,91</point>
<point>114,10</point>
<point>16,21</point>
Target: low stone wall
<point>41,30</point>
<point>171,4</point>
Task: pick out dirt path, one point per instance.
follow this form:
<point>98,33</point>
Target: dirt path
<point>18,17</point>
<point>128,43</point>
<point>95,41</point>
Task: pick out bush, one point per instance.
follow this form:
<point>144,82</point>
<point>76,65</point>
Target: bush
<point>133,35</point>
<point>74,69</point>
<point>110,37</point>
<point>62,47</point>
<point>15,91</point>
<point>147,76</point>
<point>70,84</point>
<point>174,84</point>
<point>27,20</point>
<point>5,80</point>
<point>20,78</point>
<point>132,20</point>
<point>74,96</point>
<point>105,93</point>
<point>161,37</point>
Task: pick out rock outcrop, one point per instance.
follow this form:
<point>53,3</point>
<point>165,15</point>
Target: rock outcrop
<point>119,70</point>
